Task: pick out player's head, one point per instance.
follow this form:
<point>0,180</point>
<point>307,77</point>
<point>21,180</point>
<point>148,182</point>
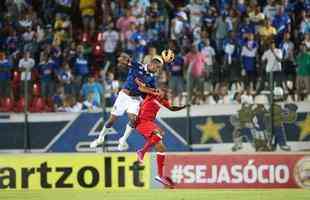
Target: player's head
<point>155,64</point>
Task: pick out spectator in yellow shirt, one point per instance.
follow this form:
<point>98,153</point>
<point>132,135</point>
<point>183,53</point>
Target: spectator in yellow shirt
<point>267,32</point>
<point>87,8</point>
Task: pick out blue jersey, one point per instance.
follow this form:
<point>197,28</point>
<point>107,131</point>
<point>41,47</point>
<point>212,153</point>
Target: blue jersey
<point>139,71</point>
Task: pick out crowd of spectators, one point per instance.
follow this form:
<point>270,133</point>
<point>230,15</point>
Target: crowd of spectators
<point>57,50</point>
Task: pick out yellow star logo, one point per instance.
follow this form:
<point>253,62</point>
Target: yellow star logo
<point>210,130</point>
<point>304,128</point>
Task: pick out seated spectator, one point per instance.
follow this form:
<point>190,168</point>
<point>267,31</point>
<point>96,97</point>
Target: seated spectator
<point>112,87</point>
<point>70,105</point>
<point>247,96</point>
<point>65,77</point>
<point>91,86</point>
<point>58,98</point>
<point>152,51</point>
<point>90,104</point>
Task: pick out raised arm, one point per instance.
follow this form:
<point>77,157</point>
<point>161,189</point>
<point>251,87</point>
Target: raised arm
<point>143,88</point>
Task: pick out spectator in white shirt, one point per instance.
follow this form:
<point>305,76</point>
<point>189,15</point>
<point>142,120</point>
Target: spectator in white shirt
<point>209,53</point>
<point>25,65</point>
<point>196,10</point>
<point>110,41</point>
<point>273,57</point>
<point>287,47</point>
<point>270,10</point>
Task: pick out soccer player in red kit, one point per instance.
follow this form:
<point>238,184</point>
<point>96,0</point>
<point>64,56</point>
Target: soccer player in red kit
<point>153,135</point>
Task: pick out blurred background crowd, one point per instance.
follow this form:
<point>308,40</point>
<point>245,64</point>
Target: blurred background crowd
<point>61,49</point>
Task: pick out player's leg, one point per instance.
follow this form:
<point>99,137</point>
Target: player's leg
<point>118,109</point>
<point>160,159</point>
<point>103,131</point>
<point>132,112</point>
<point>152,140</point>
<point>122,142</point>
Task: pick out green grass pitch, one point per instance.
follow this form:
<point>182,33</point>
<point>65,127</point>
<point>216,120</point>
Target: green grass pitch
<point>159,194</point>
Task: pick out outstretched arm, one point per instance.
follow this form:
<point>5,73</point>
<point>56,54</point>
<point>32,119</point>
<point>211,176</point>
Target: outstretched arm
<point>177,108</point>
<point>143,88</point>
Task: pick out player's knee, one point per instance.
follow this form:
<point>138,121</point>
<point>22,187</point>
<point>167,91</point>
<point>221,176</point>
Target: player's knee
<point>110,121</point>
<point>132,120</point>
<point>160,147</point>
<point>160,133</point>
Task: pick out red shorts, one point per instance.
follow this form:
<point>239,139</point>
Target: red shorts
<point>147,128</point>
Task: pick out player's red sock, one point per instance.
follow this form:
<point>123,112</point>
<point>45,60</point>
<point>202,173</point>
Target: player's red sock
<point>160,157</point>
<point>149,143</point>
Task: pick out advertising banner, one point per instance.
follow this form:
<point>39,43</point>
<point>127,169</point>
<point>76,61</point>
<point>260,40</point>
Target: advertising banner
<point>239,171</point>
<point>73,171</point>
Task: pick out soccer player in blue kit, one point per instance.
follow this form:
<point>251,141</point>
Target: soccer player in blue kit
<point>130,97</point>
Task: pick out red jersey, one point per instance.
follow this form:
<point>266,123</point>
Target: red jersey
<point>150,107</point>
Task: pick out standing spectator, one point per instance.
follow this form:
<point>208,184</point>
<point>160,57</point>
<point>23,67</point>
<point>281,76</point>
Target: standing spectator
<point>249,53</point>
<point>155,24</point>
<point>267,33</point>
<point>196,10</point>
<point>138,39</point>
<point>46,70</point>
<point>5,76</point>
<point>282,23</point>
<point>303,71</point>
<point>139,11</point>
<point>25,65</point>
<point>178,26</point>
<point>176,81</point>
<point>91,86</point>
<point>87,8</point>
<point>81,67</point>
<point>287,47</point>
<point>12,42</point>
<point>110,41</point>
<point>196,60</point>
<point>232,60</point>
<point>305,23</point>
<point>209,54</point>
<point>123,23</point>
<point>270,10</point>
<point>273,56</point>
<point>221,31</point>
